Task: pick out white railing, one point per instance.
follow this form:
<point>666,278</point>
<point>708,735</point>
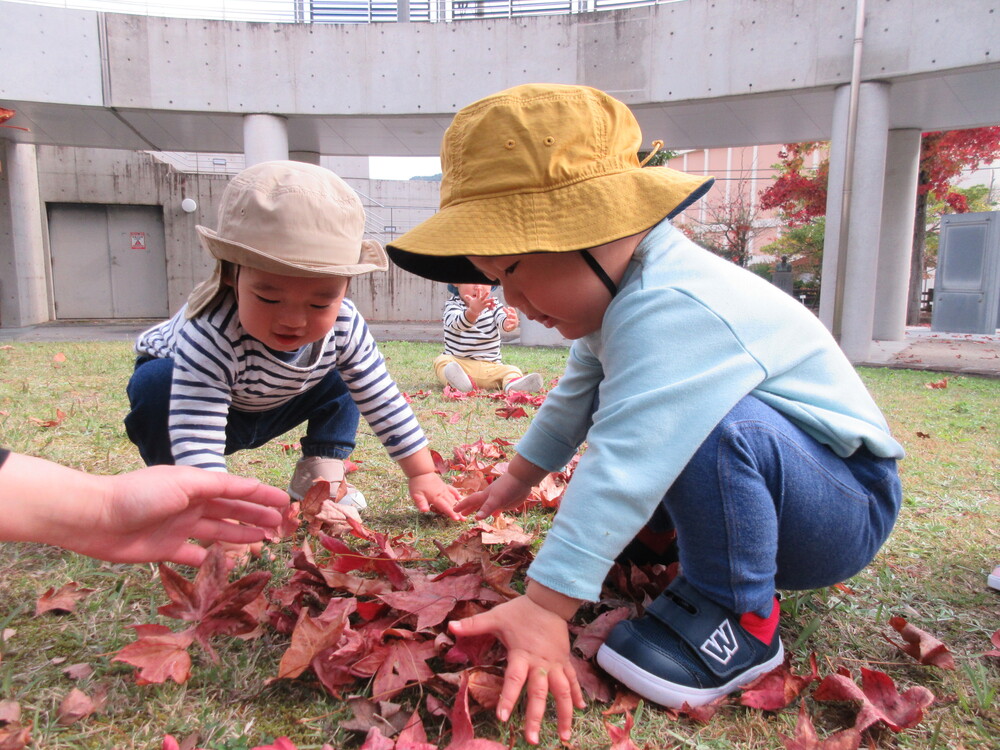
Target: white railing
<point>347,11</point>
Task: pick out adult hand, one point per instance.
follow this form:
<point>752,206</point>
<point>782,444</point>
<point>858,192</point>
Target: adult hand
<point>538,662</point>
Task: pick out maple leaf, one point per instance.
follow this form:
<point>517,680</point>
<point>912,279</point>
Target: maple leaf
<point>400,663</point>
<point>63,601</point>
<point>807,739</point>
<point>705,712</point>
<point>937,384</point>
<point>779,687</point>
<point>511,412</point>
<point>313,635</point>
<point>921,645</point>
<point>503,531</point>
<point>879,699</point>
<point>216,606</point>
<point>591,681</point>
<point>10,711</point>
<point>159,654</point>
<point>14,736</point>
<point>433,601</point>
<point>462,734</point>
<point>621,737</point>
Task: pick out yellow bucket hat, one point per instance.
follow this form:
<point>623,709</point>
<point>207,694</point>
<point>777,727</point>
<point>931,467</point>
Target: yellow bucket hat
<point>288,218</point>
<point>540,168</point>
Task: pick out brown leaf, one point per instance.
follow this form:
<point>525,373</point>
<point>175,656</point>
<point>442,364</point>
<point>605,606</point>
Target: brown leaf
<point>159,654</point>
<point>807,739</point>
<point>75,706</point>
<point>484,687</point>
<point>880,701</point>
<point>62,601</point>
<point>78,671</point>
<point>779,687</point>
<point>921,645</point>
<point>594,633</point>
<point>433,601</point>
<point>13,736</point>
<point>385,716</point>
<point>942,383</point>
<point>313,635</point>
<point>413,736</point>
<point>10,711</point>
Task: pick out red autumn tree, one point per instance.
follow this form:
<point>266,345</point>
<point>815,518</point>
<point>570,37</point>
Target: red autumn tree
<point>799,190</point>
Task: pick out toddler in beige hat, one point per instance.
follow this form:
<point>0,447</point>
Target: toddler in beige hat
<point>270,341</point>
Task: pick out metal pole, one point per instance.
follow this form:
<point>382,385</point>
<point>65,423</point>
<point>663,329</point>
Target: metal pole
<point>852,128</point>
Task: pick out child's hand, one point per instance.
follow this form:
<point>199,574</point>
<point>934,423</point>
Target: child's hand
<point>429,492</point>
<point>478,300</point>
<point>503,493</point>
<point>512,321</point>
<point>538,662</point>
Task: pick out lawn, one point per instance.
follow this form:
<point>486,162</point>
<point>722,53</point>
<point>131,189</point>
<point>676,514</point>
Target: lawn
<point>65,402</point>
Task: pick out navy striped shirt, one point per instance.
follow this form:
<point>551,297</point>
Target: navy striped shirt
<point>218,365</point>
<point>479,340</point>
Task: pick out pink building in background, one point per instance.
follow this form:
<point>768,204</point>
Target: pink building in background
<point>741,173</point>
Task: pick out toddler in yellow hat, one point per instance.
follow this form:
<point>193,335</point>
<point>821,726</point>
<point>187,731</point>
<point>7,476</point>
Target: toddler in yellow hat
<point>270,341</point>
<point>711,403</point>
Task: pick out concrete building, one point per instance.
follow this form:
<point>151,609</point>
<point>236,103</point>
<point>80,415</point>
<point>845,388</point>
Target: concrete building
<point>868,76</point>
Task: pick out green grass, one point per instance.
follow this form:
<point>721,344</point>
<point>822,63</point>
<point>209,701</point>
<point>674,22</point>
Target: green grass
<point>932,572</point>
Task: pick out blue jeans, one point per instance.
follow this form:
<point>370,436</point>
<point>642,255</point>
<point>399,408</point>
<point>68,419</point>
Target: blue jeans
<point>328,407</point>
<point>763,505</point>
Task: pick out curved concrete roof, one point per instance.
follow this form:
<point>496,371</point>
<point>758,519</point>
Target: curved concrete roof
<point>697,74</point>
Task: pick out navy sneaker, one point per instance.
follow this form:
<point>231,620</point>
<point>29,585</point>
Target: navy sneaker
<point>686,649</point>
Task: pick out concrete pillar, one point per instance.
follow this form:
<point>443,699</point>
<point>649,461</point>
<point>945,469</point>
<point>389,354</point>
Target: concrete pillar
<point>265,138</point>
<point>860,270</point>
<point>898,209</point>
<point>25,298</point>
<point>834,205</point>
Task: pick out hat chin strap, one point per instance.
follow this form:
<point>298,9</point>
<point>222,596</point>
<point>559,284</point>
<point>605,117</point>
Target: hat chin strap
<point>601,273</point>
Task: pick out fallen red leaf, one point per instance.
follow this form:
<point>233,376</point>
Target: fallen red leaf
<point>880,701</point>
<point>60,416</point>
<point>779,687</point>
<point>807,739</point>
<point>942,383</point>
<point>921,645</point>
<point>159,654</point>
<point>621,737</point>
<point>63,600</point>
<point>312,635</point>
<point>462,734</point>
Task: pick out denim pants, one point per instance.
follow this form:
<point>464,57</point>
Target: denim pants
<point>328,407</point>
<point>763,505</point>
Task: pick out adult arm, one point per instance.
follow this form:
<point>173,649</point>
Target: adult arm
<point>141,516</point>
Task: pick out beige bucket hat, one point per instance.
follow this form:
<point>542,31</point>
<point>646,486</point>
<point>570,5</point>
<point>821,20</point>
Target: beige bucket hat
<point>288,218</point>
<point>540,168</point>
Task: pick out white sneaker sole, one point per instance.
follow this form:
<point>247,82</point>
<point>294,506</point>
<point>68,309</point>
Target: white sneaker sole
<point>993,581</point>
<point>663,693</point>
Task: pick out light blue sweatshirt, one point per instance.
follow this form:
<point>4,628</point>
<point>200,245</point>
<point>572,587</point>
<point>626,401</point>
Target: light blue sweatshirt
<point>687,336</point>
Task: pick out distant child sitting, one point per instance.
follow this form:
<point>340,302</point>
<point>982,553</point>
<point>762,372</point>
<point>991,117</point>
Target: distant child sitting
<point>270,341</point>
<point>473,320</point>
<point>705,395</point>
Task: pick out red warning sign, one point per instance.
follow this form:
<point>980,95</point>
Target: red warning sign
<point>138,240</point>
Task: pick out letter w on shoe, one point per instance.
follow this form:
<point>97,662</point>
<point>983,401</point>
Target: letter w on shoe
<point>721,645</point>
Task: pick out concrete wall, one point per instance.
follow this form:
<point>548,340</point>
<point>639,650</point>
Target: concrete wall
<point>102,176</point>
